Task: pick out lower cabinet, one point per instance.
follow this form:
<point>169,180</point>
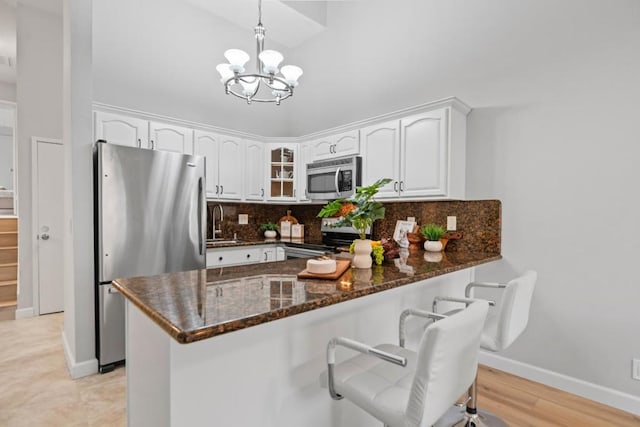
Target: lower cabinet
<point>240,255</point>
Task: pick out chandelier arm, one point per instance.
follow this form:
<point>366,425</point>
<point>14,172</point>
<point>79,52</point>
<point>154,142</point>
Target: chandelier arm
<point>287,88</point>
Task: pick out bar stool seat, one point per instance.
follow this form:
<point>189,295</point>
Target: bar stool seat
<point>403,388</point>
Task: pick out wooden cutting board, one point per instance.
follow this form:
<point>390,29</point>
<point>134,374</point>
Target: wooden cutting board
<point>341,266</point>
<point>288,217</point>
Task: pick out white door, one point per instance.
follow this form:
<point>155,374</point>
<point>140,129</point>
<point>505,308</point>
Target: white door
<point>346,144</point>
<point>231,168</point>
<point>48,221</point>
<point>322,149</point>
<point>170,138</point>
<point>381,146</point>
<point>424,155</point>
<point>206,144</point>
<point>121,130</point>
<point>254,182</point>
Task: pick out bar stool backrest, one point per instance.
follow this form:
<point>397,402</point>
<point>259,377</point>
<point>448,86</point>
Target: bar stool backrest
<point>513,310</point>
<point>446,365</point>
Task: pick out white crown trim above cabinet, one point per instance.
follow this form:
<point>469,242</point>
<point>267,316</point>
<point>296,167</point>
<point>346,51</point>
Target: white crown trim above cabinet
<point>422,149</point>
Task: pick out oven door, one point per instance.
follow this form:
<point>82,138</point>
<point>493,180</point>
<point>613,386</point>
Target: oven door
<point>293,253</point>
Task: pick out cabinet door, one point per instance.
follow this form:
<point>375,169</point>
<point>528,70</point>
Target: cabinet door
<point>121,130</point>
<point>305,155</point>
<point>423,154</point>
<point>254,176</point>
<point>381,147</point>
<point>322,149</point>
<point>206,144</point>
<point>231,168</point>
<point>282,172</point>
<point>170,138</point>
<point>346,144</point>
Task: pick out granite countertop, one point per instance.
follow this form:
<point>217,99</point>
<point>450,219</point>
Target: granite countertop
<point>200,304</point>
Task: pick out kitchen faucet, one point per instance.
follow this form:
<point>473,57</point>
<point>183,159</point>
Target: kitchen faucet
<point>217,230</point>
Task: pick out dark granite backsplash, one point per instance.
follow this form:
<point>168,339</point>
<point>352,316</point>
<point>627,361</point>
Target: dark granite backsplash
<point>479,221</point>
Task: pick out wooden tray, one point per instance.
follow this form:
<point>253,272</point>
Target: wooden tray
<point>341,266</point>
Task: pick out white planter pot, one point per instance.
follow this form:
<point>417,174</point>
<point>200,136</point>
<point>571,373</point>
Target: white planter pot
<point>433,246</point>
<point>362,254</point>
<point>270,234</point>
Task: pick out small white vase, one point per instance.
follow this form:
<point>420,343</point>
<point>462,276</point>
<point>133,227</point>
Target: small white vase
<point>362,254</point>
<point>433,245</point>
<point>270,234</point>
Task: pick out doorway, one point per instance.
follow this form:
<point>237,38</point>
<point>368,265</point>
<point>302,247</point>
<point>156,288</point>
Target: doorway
<point>48,214</point>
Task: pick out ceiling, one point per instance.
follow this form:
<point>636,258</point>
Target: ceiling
<point>7,42</point>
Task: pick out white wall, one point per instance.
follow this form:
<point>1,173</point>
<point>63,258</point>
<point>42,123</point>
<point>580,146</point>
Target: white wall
<point>553,134</point>
<point>7,92</point>
<point>160,57</point>
<point>39,101</point>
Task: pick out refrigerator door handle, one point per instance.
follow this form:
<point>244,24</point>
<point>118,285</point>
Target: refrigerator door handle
<point>200,214</point>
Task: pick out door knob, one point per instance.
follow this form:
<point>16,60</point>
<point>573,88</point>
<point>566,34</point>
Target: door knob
<point>44,236</point>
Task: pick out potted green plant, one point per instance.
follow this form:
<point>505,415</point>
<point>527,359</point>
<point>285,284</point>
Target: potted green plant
<point>433,233</point>
<point>360,211</point>
<point>270,229</point>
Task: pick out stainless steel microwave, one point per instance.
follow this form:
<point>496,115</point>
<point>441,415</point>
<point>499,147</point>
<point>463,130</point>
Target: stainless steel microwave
<point>334,179</point>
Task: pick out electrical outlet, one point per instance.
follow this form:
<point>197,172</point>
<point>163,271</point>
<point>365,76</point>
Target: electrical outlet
<point>243,219</point>
<point>451,223</point>
<point>635,374</point>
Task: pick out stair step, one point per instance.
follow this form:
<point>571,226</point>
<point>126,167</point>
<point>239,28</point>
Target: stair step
<point>8,290</point>
<point>8,239</point>
<point>8,272</point>
<point>8,224</point>
<point>8,255</point>
<point>8,310</point>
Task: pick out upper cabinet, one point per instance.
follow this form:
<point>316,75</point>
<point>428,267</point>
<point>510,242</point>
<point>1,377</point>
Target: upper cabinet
<point>165,137</point>
<point>342,144</point>
<point>305,155</point>
<point>423,154</point>
<point>224,155</point>
<point>254,176</point>
<point>282,160</point>
<point>121,130</point>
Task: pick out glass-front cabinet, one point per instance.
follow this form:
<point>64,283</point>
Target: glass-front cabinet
<point>282,171</point>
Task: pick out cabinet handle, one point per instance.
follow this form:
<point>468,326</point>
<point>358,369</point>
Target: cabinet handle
<point>153,145</point>
<point>294,193</point>
<point>395,186</point>
<point>262,192</point>
<point>139,143</point>
<point>248,255</point>
<point>265,256</point>
<point>219,258</point>
<point>401,185</point>
<point>221,189</point>
<point>217,189</point>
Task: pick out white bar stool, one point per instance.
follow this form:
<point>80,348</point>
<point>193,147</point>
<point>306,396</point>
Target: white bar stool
<point>403,388</point>
<point>505,323</point>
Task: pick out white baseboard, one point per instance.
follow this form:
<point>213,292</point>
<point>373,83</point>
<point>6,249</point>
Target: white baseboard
<point>24,313</point>
<point>78,370</point>
<point>606,396</point>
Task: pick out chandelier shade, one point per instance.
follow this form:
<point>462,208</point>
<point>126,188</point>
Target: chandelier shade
<point>269,83</point>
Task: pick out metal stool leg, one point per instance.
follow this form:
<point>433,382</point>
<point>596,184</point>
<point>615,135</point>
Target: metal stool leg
<point>474,417</point>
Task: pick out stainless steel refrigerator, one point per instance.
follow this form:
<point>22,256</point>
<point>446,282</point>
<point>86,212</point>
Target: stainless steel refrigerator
<point>150,218</point>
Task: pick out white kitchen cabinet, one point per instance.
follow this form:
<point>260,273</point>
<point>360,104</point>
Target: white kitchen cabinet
<point>224,166</point>
<point>282,160</point>
<point>305,155</point>
<point>121,130</point>
<point>422,153</point>
<point>381,156</point>
<point>224,257</point>
<point>339,145</point>
<point>165,137</point>
<point>254,178</point>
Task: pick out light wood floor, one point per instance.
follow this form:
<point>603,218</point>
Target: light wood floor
<point>35,389</point>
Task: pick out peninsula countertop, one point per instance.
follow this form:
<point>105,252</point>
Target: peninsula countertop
<point>200,304</point>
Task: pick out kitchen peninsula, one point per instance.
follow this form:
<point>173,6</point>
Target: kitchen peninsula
<point>245,345</point>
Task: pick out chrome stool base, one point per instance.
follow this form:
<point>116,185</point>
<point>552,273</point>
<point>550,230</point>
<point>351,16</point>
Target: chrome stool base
<point>459,418</point>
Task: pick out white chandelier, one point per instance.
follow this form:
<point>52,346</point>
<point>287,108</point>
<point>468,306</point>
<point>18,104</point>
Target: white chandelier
<point>265,85</point>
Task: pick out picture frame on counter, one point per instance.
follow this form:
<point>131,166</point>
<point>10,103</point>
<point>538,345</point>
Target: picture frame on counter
<point>403,227</point>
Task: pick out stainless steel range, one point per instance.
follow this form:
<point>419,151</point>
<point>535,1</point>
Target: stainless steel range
<point>332,238</point>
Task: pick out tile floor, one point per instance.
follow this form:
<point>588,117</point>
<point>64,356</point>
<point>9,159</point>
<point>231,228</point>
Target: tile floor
<point>35,387</point>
